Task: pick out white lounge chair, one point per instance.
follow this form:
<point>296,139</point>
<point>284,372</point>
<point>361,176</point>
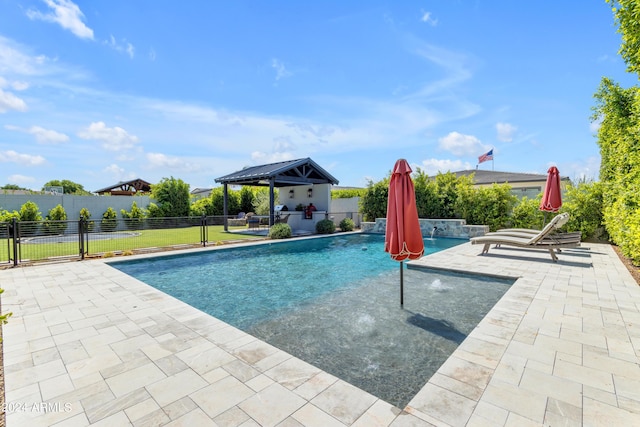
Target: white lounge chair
<point>557,222</point>
<point>544,239</point>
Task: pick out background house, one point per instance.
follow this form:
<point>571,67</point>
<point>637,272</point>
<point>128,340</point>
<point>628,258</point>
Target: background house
<point>522,184</point>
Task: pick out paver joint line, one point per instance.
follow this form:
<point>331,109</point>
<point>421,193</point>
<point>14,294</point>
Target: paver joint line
<point>560,345</point>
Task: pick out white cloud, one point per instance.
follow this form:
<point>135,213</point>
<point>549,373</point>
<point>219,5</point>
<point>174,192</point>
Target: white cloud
<point>282,144</point>
<point>20,180</point>
<point>45,136</point>
<point>261,157</point>
<point>317,131</point>
<point>456,69</point>
<point>20,85</point>
<point>14,59</point>
<point>159,160</point>
<point>461,145</point>
<point>113,139</point>
<point>11,156</point>
<point>281,71</point>
<point>9,101</point>
<point>65,13</point>
<point>505,131</point>
<point>16,85</point>
<point>585,169</point>
<point>427,18</point>
<point>125,46</point>
<point>118,173</point>
<point>433,166</point>
<point>114,169</point>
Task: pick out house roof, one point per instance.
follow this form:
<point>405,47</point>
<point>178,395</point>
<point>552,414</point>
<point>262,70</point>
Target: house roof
<point>127,187</point>
<point>199,190</point>
<point>292,172</point>
<point>491,177</point>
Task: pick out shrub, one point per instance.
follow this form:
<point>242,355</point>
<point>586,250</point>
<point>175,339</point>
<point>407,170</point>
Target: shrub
<point>373,204</point>
<point>202,207</point>
<point>490,205</point>
<point>109,220</point>
<point>527,214</point>
<point>326,226</point>
<point>6,216</point>
<point>584,203</point>
<point>261,201</point>
<point>86,215</point>
<point>154,211</point>
<point>134,217</point>
<point>347,224</point>
<point>348,193</point>
<point>29,212</point>
<point>280,231</point>
<point>52,224</point>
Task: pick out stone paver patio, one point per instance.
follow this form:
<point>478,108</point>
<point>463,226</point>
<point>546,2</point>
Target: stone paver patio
<point>89,345</point>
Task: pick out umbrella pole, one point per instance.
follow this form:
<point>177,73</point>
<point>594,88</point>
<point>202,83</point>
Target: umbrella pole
<point>401,284</point>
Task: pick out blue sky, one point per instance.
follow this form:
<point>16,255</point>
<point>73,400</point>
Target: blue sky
<point>104,91</point>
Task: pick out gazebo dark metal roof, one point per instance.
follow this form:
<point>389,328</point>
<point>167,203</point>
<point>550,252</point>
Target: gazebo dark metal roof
<point>287,173</point>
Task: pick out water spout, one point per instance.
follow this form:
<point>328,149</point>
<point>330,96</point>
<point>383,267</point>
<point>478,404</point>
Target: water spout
<point>433,231</point>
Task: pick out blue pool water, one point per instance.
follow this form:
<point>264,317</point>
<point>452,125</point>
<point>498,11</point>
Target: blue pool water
<point>334,302</point>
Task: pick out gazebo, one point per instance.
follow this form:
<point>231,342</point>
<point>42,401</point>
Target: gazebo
<point>127,188</point>
<point>291,173</point>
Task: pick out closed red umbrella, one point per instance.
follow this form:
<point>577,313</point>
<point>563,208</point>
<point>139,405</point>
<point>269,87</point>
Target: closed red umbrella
<point>552,197</point>
<point>403,237</point>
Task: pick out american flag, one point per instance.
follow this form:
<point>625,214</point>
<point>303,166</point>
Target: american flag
<point>486,156</point>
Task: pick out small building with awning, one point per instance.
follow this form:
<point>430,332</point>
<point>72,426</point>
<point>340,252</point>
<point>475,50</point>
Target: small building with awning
<point>300,182</point>
<point>127,188</point>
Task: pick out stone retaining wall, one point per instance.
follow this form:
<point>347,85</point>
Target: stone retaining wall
<point>455,228</point>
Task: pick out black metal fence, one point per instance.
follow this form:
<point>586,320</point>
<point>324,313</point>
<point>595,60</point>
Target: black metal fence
<point>29,241</point>
<point>23,242</point>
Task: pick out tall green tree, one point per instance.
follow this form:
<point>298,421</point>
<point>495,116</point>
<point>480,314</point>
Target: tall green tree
<point>246,199</point>
<point>627,18</point>
<point>68,187</point>
<point>618,111</point>
<point>217,201</point>
<point>12,187</point>
<point>172,197</point>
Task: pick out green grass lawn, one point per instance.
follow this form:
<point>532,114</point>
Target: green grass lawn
<point>146,239</point>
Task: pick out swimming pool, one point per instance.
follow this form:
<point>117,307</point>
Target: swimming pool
<point>334,302</point>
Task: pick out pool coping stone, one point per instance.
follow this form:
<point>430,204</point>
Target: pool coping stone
<point>88,346</point>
